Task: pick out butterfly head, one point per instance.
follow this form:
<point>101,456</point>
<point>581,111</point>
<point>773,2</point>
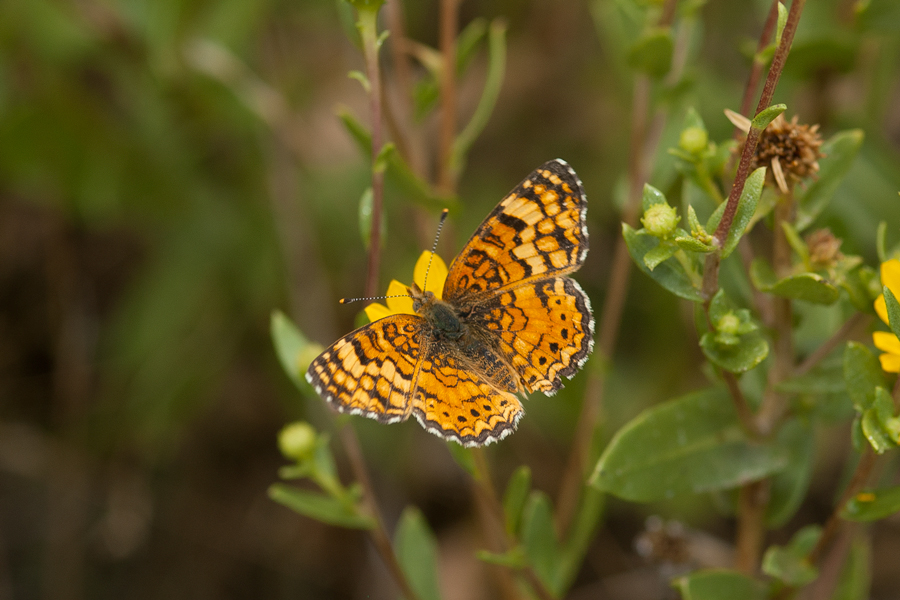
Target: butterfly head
<point>442,317</point>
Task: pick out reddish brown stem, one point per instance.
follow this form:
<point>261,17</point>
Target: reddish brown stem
<point>449,17</point>
<point>787,38</point>
<point>379,535</point>
<point>857,482</point>
<point>493,516</point>
<point>752,501</point>
<point>756,70</point>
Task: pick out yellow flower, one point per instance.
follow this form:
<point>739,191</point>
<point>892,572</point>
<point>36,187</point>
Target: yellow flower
<point>398,299</point>
<point>884,341</point>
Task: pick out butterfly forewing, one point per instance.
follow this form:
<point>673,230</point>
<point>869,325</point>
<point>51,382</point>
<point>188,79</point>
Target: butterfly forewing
<point>538,231</point>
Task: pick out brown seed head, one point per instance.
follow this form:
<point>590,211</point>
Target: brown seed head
<point>792,148</point>
<point>824,248</point>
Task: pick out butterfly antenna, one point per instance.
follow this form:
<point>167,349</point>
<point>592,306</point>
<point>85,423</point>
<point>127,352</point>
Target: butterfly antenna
<point>349,300</point>
<point>437,236</point>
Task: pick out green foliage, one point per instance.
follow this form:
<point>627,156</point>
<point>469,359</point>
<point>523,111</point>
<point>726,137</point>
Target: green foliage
<point>809,287</point>
<point>691,444</point>
<point>862,374</point>
<point>416,549</point>
<point>715,584</point>
<point>790,563</point>
<point>872,505</point>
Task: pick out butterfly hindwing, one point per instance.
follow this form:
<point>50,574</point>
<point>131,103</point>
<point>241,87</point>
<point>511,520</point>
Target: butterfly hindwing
<point>371,371</point>
<point>454,401</point>
<point>545,328</point>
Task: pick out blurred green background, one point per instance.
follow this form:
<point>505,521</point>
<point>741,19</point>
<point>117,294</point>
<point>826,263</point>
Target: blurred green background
<point>171,171</point>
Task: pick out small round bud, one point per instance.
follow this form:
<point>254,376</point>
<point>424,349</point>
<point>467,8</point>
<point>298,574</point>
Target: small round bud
<point>660,220</point>
<point>297,440</point>
<point>729,324</point>
<point>693,140</point>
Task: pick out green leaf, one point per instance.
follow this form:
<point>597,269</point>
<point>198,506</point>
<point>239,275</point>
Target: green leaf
<point>379,165</point>
<point>745,211</point>
<point>767,115</point>
<point>294,351</point>
<point>837,157</point>
<point>360,134</point>
<point>788,487</point>
<point>581,534</point>
<point>692,244</point>
<point>416,550</point>
<point>366,212</point>
<point>652,53</point>
<point>362,79</point>
<point>669,274</point>
<point>659,254</point>
<point>790,563</point>
<point>691,444</point>
<point>893,310</point>
<point>782,21</point>
<point>856,284</point>
<point>878,423</point>
<point>872,505</point>
<point>651,197</point>
<point>467,43</point>
<point>463,457</point>
<point>862,374</point>
<point>489,95</point>
<point>719,584</point>
<point>750,350</point>
<point>512,559</point>
<point>539,538</point>
<point>795,242</point>
<point>514,499</point>
<point>881,241</point>
<point>319,507</point>
<point>809,287</point>
<point>855,578</point>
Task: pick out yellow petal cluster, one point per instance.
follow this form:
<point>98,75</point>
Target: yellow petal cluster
<point>884,341</point>
<point>428,278</point>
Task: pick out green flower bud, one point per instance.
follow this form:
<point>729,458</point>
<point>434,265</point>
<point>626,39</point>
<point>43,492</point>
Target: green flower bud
<point>693,140</point>
<point>660,220</point>
<point>297,440</point>
<point>729,324</point>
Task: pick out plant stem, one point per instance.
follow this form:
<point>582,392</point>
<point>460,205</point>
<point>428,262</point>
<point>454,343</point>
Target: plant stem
<point>611,316</point>
<point>379,535</point>
<point>368,21</point>
<point>752,501</point>
<point>830,344</point>
<point>756,70</point>
<point>449,18</point>
<point>787,38</point>
<point>409,142</point>
<point>494,518</point>
<point>642,146</point>
<point>857,481</point>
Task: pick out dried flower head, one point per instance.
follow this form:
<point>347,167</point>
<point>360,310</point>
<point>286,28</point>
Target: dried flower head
<point>824,249</point>
<point>790,151</point>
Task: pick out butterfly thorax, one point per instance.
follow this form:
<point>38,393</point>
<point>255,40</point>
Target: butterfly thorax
<point>442,316</point>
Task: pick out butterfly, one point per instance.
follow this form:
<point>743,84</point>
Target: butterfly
<point>508,321</point>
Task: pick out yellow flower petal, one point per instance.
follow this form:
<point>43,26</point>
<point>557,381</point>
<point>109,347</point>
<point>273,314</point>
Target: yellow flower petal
<point>890,363</point>
<point>398,299</point>
<point>890,275</point>
<point>377,311</point>
<point>881,309</point>
<point>886,342</point>
<point>437,274</point>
